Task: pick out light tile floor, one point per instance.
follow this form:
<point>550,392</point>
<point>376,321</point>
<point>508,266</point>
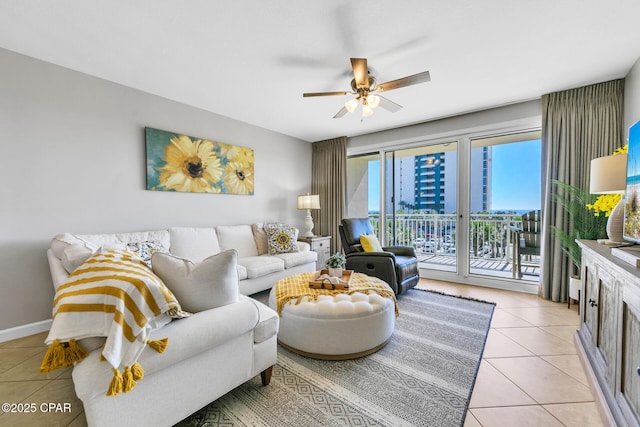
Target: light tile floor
<point>530,374</point>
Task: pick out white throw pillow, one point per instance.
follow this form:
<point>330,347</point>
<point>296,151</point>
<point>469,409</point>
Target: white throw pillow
<point>198,287</point>
<point>74,255</point>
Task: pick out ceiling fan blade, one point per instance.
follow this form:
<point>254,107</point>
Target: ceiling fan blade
<point>341,113</point>
<point>305,95</point>
<point>405,81</point>
<point>388,105</point>
<point>360,72</point>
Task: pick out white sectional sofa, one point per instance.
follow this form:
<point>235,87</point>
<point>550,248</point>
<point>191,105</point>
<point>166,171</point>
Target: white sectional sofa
<point>210,352</point>
<point>257,270</point>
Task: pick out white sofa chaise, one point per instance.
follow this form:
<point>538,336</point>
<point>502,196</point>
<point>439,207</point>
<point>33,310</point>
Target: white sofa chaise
<point>209,353</point>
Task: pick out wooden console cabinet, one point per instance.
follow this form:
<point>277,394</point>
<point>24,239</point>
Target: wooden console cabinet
<point>609,330</point>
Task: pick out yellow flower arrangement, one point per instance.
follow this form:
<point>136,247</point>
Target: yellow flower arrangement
<point>605,203</point>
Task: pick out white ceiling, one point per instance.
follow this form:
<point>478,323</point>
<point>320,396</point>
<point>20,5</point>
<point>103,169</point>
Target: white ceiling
<point>252,60</point>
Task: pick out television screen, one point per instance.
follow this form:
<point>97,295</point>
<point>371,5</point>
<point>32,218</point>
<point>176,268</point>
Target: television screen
<point>632,192</point>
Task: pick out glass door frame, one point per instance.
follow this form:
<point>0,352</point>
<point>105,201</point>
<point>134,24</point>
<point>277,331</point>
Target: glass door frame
<point>463,140</point>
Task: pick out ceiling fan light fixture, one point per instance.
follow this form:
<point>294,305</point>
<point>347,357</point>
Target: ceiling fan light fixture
<point>351,105</point>
<point>373,100</point>
<point>366,110</point>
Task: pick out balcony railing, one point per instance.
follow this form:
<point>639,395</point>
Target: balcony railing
<point>435,234</point>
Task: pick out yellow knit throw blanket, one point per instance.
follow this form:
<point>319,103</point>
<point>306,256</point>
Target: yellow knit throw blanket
<point>113,295</point>
<point>297,286</point>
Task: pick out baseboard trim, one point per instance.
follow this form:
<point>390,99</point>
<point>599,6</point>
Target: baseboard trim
<point>487,282</point>
<point>24,330</point>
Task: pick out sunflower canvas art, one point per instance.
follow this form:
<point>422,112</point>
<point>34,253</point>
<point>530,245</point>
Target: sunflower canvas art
<point>177,162</point>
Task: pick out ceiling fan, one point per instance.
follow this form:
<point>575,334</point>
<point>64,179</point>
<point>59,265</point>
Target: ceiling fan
<point>366,89</point>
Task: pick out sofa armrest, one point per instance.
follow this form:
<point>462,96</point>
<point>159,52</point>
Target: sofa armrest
<point>58,273</point>
<point>187,337</point>
<point>303,246</point>
<point>401,250</point>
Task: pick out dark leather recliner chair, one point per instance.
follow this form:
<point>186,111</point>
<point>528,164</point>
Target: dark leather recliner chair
<point>396,265</point>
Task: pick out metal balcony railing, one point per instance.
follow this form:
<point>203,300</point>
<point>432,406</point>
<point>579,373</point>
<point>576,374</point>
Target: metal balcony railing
<point>435,234</point>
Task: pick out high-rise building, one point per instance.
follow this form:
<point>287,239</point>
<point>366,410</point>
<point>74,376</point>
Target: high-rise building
<point>420,182</point>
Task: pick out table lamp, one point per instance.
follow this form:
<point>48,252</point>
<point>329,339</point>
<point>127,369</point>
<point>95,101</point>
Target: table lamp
<point>308,202</point>
<point>609,176</point>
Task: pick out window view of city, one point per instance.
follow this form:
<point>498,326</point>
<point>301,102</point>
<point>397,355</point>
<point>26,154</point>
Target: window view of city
<point>420,190</point>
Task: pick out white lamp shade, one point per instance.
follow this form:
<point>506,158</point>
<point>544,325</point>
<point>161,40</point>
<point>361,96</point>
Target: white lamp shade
<point>608,174</point>
<point>309,201</point>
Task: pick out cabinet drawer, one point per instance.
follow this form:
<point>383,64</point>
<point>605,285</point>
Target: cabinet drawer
<point>318,246</point>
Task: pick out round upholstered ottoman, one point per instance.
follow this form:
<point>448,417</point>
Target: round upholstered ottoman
<point>332,324</point>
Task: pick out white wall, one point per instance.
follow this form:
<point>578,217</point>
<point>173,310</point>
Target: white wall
<point>632,96</point>
<point>73,160</point>
<point>515,116</point>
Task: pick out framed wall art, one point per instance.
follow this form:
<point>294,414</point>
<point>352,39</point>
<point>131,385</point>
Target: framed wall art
<point>178,162</point>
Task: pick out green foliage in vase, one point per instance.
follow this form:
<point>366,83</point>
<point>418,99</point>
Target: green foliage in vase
<point>336,260</point>
<point>581,223</point>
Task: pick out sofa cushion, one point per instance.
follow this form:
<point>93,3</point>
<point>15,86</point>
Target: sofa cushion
<point>258,266</point>
<point>198,287</point>
<point>194,243</point>
<point>282,240</point>
<point>238,237</point>
<point>297,258</point>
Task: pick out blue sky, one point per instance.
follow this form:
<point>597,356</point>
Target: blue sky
<point>515,177</point>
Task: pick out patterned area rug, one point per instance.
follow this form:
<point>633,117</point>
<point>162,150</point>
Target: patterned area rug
<point>424,376</point>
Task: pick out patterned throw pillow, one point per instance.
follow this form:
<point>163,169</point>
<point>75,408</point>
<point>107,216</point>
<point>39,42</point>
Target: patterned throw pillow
<point>145,249</point>
<point>282,240</point>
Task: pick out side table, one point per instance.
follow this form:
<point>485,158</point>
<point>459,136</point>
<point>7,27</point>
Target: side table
<point>321,245</point>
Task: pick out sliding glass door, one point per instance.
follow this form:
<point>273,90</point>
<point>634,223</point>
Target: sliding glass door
<point>420,203</point>
<point>456,202</point>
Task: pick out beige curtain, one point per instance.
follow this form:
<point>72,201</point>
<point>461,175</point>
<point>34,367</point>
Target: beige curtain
<point>577,125</point>
<point>329,181</point>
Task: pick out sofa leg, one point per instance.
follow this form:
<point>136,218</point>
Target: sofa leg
<point>266,375</point>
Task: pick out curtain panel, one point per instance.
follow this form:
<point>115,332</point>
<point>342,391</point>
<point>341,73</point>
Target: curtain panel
<point>577,125</point>
<point>329,181</point>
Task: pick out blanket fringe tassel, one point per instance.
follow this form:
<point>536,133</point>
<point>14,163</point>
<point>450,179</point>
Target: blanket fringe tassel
<point>159,345</point>
<point>137,371</point>
<point>117,384</point>
<point>128,382</point>
<point>62,355</point>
